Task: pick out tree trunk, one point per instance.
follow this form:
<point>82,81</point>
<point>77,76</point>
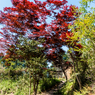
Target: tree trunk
<point>35,92</point>
<point>78,80</point>
<point>68,72</point>
<point>64,73</point>
<point>36,87</point>
<point>29,82</point>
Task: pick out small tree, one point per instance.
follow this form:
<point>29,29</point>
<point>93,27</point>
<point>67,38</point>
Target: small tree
<point>32,52</point>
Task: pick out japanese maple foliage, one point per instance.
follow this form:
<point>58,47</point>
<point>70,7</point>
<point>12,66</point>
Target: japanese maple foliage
<point>30,20</point>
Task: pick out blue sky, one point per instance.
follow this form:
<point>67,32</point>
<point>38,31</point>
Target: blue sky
<point>7,3</point>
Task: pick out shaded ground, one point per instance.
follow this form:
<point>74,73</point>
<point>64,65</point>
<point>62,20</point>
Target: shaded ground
<point>53,90</point>
<point>90,90</point>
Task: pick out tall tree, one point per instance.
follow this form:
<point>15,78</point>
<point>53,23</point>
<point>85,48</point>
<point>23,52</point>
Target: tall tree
<point>30,19</point>
<point>84,31</point>
<point>85,26</point>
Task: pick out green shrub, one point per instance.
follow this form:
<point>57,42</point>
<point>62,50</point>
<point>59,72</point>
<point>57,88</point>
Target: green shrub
<point>67,88</point>
<point>48,83</point>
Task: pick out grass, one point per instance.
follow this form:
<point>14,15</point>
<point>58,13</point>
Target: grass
<point>19,87</point>
<point>19,84</point>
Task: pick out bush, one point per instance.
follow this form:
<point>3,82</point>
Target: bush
<point>48,83</point>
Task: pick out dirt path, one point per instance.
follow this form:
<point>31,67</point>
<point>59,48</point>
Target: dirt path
<point>53,90</point>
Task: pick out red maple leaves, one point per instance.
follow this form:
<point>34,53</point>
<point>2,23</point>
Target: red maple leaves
<point>30,19</point>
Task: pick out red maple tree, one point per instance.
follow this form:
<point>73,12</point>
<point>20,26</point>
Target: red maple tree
<point>30,20</point>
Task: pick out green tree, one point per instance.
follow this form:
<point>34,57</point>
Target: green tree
<point>32,52</point>
<point>84,30</point>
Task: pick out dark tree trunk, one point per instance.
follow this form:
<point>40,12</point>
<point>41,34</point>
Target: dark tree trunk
<point>78,79</point>
<point>35,88</point>
<point>30,82</point>
<point>64,73</point>
<point>36,82</point>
